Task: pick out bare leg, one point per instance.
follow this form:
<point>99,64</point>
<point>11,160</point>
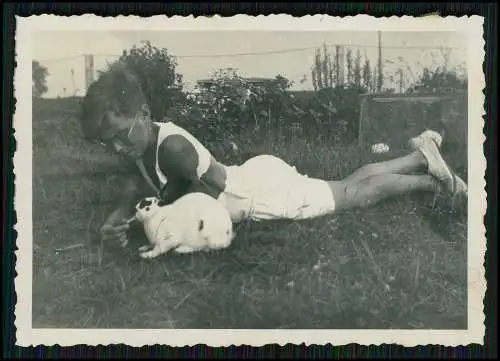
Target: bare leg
<point>369,191</point>
<point>375,182</point>
<point>407,164</point>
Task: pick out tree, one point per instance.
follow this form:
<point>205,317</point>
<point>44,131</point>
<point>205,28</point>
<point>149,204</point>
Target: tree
<point>331,73</point>
<point>314,78</point>
<point>375,79</point>
<point>350,69</point>
<point>336,64</point>
<point>367,75</point>
<point>317,71</point>
<point>324,71</point>
<point>357,70</point>
<point>39,76</point>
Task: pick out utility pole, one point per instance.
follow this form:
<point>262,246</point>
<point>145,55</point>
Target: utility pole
<point>380,70</point>
<point>401,83</point>
<point>73,81</point>
<point>89,70</point>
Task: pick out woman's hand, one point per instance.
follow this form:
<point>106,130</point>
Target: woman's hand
<point>115,231</point>
<point>116,226</point>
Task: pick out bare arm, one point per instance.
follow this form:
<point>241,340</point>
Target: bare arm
<point>129,196</point>
<point>178,160</point>
<point>114,227</point>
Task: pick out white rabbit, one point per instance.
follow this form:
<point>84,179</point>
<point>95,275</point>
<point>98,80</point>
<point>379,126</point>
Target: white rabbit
<point>192,223</point>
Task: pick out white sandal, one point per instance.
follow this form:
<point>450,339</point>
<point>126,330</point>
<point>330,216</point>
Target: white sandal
<point>416,142</point>
<point>438,168</point>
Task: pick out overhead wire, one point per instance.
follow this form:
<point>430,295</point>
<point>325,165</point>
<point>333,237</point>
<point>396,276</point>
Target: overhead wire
<point>364,48</point>
<point>269,52</point>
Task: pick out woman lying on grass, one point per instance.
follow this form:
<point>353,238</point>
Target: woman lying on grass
<point>172,163</point>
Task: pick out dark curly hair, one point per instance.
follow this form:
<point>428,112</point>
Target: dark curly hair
<point>117,89</point>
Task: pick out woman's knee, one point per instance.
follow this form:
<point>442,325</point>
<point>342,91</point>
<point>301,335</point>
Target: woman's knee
<point>349,194</point>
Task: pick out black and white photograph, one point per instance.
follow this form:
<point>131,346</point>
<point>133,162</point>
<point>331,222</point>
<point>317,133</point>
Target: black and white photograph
<point>242,180</point>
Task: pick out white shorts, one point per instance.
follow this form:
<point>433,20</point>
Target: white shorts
<point>267,188</point>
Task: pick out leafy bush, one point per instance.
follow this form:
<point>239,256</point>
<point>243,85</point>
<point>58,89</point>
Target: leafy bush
<point>439,80</point>
<point>142,75</point>
<point>235,106</point>
<point>237,109</point>
<point>230,108</point>
<point>155,69</point>
<point>335,113</point>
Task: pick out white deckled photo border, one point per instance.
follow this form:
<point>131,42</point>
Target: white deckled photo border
<point>472,27</point>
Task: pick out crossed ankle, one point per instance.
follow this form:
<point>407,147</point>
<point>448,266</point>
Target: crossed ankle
<point>421,160</point>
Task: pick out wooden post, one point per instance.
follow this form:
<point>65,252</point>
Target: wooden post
<point>380,81</point>
<point>89,70</point>
<point>401,85</point>
<point>73,81</point>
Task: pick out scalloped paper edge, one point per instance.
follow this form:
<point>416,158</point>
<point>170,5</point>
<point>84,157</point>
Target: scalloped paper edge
<point>27,336</point>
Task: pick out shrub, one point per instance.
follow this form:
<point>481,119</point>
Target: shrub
<point>143,75</point>
<point>155,69</point>
<point>335,113</point>
<point>439,80</point>
<point>230,105</point>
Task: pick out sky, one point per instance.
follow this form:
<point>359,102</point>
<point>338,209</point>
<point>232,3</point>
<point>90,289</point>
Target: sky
<point>62,52</point>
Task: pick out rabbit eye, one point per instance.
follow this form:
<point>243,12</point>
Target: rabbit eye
<point>147,209</point>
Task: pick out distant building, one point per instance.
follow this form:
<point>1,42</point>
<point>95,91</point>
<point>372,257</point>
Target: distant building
<point>207,83</point>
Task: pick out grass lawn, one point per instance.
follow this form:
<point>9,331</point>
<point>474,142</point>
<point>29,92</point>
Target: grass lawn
<point>400,264</point>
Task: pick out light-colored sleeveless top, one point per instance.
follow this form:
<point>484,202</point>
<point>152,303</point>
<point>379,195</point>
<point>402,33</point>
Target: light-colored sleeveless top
<point>204,156</point>
<point>263,187</point>
<point>235,198</point>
